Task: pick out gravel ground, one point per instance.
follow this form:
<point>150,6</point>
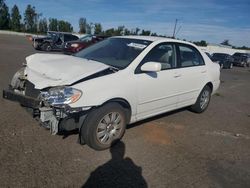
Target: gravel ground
<point>177,149</point>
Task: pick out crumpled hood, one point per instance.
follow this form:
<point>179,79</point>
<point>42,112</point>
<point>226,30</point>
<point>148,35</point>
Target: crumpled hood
<point>48,70</point>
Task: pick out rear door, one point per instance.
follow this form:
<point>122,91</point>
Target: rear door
<point>191,74</point>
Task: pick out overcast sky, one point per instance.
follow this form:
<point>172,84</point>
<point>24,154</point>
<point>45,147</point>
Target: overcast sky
<point>210,20</point>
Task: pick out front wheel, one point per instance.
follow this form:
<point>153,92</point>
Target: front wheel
<point>46,47</point>
<point>202,100</point>
<point>104,126</point>
<point>35,44</point>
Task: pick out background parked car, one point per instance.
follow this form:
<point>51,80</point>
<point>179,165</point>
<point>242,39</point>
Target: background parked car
<point>53,41</point>
<point>224,60</point>
<point>241,59</point>
<point>209,55</point>
<point>77,45</point>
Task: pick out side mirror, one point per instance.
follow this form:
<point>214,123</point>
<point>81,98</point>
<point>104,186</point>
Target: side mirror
<point>151,67</point>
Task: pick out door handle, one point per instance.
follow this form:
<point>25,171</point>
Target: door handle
<point>177,75</point>
<point>204,71</point>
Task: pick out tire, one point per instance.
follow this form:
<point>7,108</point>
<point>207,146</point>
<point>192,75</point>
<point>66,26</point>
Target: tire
<point>202,101</point>
<point>16,82</point>
<point>221,66</point>
<point>35,45</point>
<point>229,65</point>
<point>104,126</point>
<point>46,47</point>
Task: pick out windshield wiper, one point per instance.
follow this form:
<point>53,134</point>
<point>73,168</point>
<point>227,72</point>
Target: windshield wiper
<point>92,59</point>
<point>112,67</point>
<point>115,69</point>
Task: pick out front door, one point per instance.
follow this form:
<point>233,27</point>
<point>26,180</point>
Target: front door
<point>157,91</point>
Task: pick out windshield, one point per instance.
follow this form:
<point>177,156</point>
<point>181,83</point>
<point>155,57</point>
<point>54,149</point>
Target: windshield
<point>219,56</point>
<point>53,36</point>
<point>239,54</point>
<point>86,38</point>
<point>116,52</point>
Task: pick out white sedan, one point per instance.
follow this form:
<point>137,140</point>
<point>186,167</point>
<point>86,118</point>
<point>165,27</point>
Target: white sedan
<point>116,82</point>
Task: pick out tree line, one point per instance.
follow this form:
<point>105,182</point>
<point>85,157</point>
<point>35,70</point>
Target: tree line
<point>34,22</point>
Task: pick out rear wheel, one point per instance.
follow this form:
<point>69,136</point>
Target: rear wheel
<point>221,66</point>
<point>104,126</point>
<point>202,100</point>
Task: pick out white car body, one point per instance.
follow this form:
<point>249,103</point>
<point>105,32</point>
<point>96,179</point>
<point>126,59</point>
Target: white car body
<point>118,81</point>
<point>146,95</point>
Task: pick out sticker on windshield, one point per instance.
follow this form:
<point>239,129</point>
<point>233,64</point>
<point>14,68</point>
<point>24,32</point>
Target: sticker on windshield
<point>136,45</point>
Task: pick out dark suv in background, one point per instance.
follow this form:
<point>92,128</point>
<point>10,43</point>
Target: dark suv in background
<point>53,41</point>
<point>241,59</point>
<point>224,60</point>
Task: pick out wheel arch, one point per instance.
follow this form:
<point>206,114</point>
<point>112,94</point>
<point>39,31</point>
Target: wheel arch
<point>210,85</point>
<point>124,103</point>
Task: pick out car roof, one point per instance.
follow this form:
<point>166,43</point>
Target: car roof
<point>242,53</point>
<point>59,32</point>
<point>154,38</point>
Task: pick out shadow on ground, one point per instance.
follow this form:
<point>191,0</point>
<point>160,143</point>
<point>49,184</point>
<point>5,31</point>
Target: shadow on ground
<point>117,172</point>
<point>229,174</point>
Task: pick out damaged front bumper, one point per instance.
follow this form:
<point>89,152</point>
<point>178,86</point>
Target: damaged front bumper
<point>22,99</point>
<point>56,119</point>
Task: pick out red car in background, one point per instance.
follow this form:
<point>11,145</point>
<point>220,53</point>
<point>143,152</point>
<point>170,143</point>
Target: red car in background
<point>83,42</point>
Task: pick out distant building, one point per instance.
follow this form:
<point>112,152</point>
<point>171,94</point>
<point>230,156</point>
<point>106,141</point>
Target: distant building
<point>219,48</point>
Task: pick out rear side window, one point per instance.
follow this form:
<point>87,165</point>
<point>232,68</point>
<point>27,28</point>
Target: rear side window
<point>189,56</point>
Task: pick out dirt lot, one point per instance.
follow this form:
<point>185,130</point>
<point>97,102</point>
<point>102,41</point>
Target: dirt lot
<point>177,149</point>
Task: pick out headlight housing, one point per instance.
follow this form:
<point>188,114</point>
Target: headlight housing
<point>74,45</point>
<point>61,95</point>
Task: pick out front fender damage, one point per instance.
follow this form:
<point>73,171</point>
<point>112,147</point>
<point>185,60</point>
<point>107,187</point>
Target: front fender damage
<point>62,119</point>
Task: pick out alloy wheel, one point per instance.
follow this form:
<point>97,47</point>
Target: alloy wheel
<point>109,128</point>
<point>204,100</point>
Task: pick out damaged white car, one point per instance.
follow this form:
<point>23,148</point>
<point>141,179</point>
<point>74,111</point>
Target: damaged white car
<point>116,82</point>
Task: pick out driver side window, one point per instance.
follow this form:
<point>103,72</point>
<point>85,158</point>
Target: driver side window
<point>163,53</point>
